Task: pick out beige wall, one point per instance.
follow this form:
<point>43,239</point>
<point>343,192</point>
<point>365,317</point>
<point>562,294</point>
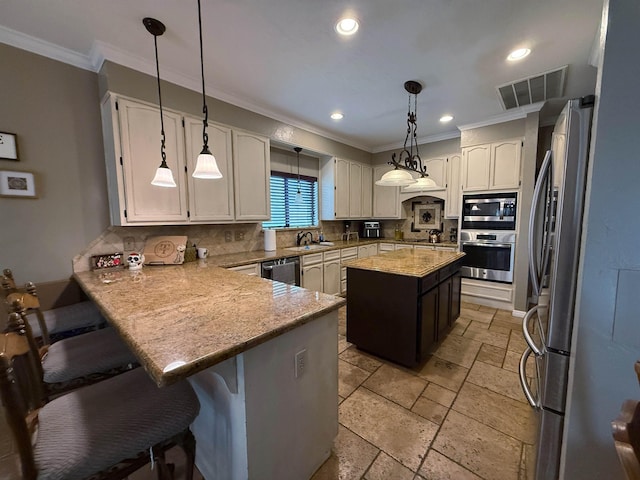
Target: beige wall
<point>54,110</point>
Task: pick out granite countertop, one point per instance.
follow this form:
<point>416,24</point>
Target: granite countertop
<point>409,262</point>
<point>256,256</point>
<point>182,319</point>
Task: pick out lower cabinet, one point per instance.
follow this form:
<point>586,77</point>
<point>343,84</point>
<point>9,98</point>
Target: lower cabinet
<point>321,272</point>
<point>312,277</point>
<point>252,269</point>
<point>331,272</point>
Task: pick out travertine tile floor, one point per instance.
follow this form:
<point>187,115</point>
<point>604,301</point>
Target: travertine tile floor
<point>461,416</point>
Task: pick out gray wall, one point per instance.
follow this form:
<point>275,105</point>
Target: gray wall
<point>607,334</point>
<point>54,110</point>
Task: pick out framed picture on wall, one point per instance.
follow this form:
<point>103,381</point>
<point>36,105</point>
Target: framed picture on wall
<point>8,146</point>
<point>17,184</point>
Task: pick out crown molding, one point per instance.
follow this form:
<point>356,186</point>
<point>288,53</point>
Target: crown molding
<point>516,114</point>
<point>420,141</point>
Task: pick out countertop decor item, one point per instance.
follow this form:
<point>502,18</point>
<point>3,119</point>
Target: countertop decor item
<point>107,260</point>
<point>206,166</point>
<point>408,161</point>
<point>163,177</point>
<point>165,250</point>
<point>8,146</point>
<point>17,184</point>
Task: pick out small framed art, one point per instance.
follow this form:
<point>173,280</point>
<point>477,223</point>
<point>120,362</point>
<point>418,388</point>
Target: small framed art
<point>17,184</point>
<point>8,146</point>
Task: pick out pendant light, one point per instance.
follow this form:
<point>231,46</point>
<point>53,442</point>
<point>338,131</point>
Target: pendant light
<point>163,177</point>
<point>299,194</point>
<point>408,161</point>
<point>206,166</point>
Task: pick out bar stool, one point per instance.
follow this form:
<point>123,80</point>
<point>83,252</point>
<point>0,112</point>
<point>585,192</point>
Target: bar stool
<point>60,322</point>
<point>76,361</point>
<point>107,430</point>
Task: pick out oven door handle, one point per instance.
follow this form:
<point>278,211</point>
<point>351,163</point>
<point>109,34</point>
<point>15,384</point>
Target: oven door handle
<point>492,245</point>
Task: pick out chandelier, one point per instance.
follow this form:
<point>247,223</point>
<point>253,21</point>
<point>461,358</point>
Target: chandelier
<point>409,158</point>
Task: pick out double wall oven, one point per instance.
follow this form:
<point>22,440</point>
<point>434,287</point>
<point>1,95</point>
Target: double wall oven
<point>487,236</point>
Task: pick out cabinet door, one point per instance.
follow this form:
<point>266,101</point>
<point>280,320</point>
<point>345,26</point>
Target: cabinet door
<point>312,277</point>
<point>437,170</point>
<point>444,307</point>
<point>342,188</point>
<point>456,290</point>
<point>454,194</point>
<point>209,200</point>
<point>386,202</point>
<point>140,144</point>
<point>505,164</point>
<point>367,191</point>
<point>427,333</point>
<point>331,277</point>
<point>251,176</point>
<point>475,167</point>
<point>355,190</point>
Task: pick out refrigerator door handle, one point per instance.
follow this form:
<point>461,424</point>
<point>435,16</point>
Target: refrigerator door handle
<point>522,370</point>
<point>537,194</point>
<point>527,336</point>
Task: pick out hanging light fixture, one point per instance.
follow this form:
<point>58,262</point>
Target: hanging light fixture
<point>163,177</point>
<point>206,166</point>
<point>299,194</point>
<point>408,161</point>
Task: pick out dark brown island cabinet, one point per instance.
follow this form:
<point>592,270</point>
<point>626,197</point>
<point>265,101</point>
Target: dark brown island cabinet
<point>400,304</point>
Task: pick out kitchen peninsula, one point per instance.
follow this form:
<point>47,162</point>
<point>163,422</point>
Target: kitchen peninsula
<point>401,303</point>
<point>235,338</point>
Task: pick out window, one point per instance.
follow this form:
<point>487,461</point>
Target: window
<point>285,212</point>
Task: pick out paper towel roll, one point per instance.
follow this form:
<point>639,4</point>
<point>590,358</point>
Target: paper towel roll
<point>270,240</point>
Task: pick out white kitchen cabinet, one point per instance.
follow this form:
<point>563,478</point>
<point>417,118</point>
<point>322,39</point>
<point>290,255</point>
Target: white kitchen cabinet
<point>453,199</point>
<point>370,250</point>
<point>346,189</point>
<point>253,269</point>
<point>424,247</point>
<point>132,147</point>
<point>131,131</point>
<point>312,277</point>
<point>252,176</point>
<point>386,247</point>
<point>331,272</point>
<point>210,200</point>
<point>446,249</point>
<point>386,202</point>
<point>492,166</point>
<point>346,254</point>
<point>402,246</point>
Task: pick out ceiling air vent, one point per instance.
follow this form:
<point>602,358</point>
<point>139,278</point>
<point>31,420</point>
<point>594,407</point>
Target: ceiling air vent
<point>538,88</point>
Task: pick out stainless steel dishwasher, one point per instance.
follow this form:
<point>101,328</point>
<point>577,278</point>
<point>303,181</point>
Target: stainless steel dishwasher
<point>286,270</point>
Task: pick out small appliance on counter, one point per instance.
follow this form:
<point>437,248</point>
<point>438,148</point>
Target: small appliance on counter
<point>371,230</point>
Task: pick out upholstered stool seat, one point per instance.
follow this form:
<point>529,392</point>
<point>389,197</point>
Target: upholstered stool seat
<point>83,355</point>
<point>94,427</point>
<point>76,317</point>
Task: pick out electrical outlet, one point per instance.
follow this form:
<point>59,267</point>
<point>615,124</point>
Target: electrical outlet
<point>239,236</point>
<point>129,244</point>
<point>301,362</point>
<point>227,236</point>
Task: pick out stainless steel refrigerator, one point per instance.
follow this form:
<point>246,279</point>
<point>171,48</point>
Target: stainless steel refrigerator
<point>554,242</point>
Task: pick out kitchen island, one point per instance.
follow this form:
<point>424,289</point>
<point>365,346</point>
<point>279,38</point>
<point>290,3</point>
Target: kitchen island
<point>235,338</point>
<point>401,303</point>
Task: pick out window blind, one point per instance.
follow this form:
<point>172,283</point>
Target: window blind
<point>285,212</point>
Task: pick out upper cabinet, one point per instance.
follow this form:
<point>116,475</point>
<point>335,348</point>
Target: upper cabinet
<point>437,170</point>
<point>346,189</point>
<point>454,192</point>
<point>492,166</point>
<point>386,200</point>
<point>131,132</point>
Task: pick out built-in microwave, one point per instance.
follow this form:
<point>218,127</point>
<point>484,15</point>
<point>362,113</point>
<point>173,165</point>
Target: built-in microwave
<point>489,211</point>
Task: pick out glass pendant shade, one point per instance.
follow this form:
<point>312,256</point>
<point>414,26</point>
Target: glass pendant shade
<point>206,166</point>
<point>163,178</point>
<point>422,184</point>
<point>299,197</point>
<point>396,178</point>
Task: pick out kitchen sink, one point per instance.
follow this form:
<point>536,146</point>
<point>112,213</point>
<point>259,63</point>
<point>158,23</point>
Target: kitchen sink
<point>304,248</point>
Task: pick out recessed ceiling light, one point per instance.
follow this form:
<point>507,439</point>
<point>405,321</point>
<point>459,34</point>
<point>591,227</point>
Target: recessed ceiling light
<point>347,26</point>
<point>446,118</point>
<point>518,54</point>
<point>337,116</point>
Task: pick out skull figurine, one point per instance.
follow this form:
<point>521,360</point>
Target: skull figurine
<point>135,261</point>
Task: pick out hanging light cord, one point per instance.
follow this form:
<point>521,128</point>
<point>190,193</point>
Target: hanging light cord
<point>164,155</point>
<point>298,150</point>
<point>205,110</point>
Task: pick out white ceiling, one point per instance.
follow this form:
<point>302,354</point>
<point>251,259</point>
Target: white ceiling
<point>283,58</point>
